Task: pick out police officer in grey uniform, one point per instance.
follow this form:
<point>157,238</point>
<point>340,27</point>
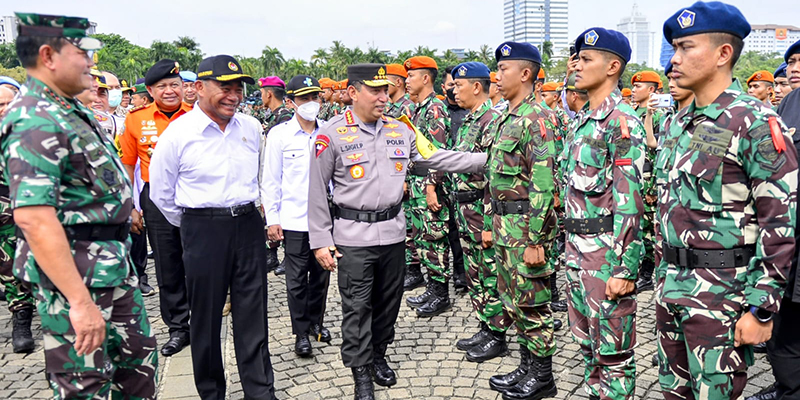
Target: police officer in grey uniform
<point>366,156</point>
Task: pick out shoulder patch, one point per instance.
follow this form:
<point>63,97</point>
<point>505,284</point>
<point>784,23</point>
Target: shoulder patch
<point>321,144</point>
<point>777,135</point>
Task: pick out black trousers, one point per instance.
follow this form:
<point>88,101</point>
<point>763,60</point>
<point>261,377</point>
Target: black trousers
<point>165,239</point>
<point>139,252</point>
<point>455,243</point>
<point>306,282</point>
<point>223,252</point>
<point>371,286</point>
<point>784,350</point>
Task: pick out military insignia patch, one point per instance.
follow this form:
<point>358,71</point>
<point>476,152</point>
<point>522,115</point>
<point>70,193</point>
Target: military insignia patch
<point>348,118</point>
<point>356,157</point>
<point>462,71</point>
<point>349,138</point>
<point>321,144</point>
<point>623,146</point>
<point>773,160</point>
<point>357,171</point>
<point>399,152</point>
<point>686,19</point>
<point>391,126</point>
<point>308,82</point>
<point>353,129</point>
<point>232,66</point>
<point>341,130</point>
<point>591,37</point>
<point>758,76</point>
<point>398,166</point>
<point>394,134</point>
<point>505,50</point>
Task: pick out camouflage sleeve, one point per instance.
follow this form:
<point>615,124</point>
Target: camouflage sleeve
<point>538,154</point>
<point>438,126</point>
<point>36,156</point>
<point>770,162</point>
<point>487,140</point>
<point>627,164</point>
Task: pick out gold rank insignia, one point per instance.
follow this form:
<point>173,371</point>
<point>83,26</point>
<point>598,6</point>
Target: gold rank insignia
<point>349,138</point>
<point>394,134</point>
<point>341,130</point>
<point>391,126</point>
<point>353,129</point>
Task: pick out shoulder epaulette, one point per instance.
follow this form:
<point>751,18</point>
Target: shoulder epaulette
<point>348,117</point>
<point>135,109</point>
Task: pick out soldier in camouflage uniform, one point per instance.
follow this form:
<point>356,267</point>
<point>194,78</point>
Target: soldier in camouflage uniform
<point>473,213</point>
<point>727,187</point>
<point>63,171</point>
<point>521,186</point>
<point>427,191</point>
<point>603,208</point>
<point>399,102</point>
<point>326,84</point>
<point>646,83</point>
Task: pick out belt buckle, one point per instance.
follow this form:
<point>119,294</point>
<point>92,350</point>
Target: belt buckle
<point>236,210</point>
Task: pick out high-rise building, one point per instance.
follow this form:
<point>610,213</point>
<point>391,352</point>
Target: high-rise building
<point>771,38</point>
<point>8,29</point>
<point>637,29</point>
<point>537,21</point>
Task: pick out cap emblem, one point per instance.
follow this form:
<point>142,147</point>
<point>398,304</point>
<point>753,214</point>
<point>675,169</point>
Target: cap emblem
<point>177,68</point>
<point>381,73</point>
<point>408,64</point>
<point>462,71</point>
<point>591,37</point>
<point>307,81</point>
<point>232,66</point>
<point>505,50</point>
<point>686,19</point>
<point>758,76</point>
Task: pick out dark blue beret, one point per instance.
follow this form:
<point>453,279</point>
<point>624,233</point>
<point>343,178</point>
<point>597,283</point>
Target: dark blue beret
<point>604,40</point>
<point>472,70</point>
<point>517,51</point>
<point>668,67</point>
<point>706,17</point>
<point>792,50</point>
<point>781,71</point>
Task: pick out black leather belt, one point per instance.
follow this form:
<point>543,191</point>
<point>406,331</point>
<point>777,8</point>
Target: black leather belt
<point>701,258</point>
<point>648,166</point>
<point>94,232</point>
<point>416,170</point>
<point>468,196</point>
<point>367,216</point>
<point>510,207</point>
<point>589,225</point>
<point>234,211</point>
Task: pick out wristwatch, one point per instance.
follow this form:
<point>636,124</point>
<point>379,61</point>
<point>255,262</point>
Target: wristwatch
<point>761,314</point>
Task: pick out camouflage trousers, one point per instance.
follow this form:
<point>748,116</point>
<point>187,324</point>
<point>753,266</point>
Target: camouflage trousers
<point>482,273</point>
<point>696,356</point>
<point>605,330</point>
<point>18,293</point>
<point>125,364</point>
<point>649,237</point>
<point>430,230</point>
<point>412,258</point>
<point>525,294</point>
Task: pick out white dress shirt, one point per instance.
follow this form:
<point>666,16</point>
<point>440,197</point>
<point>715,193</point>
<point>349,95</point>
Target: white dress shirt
<point>197,165</point>
<point>286,167</point>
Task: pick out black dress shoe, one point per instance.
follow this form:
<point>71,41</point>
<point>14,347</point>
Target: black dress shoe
<point>413,281</point>
<point>272,259</point>
<point>302,346</point>
<point>495,346</point>
<point>460,282</point>
<point>174,345</point>
<point>151,255</point>
<point>382,373</point>
<point>559,306</point>
<point>476,339</point>
<point>320,333</point>
<point>644,284</point>
<point>281,269</point>
<point>557,325</point>
<point>768,393</point>
<point>364,389</point>
<point>655,360</point>
<point>760,348</point>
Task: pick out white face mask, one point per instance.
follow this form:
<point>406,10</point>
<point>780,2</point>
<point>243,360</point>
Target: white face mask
<point>308,111</point>
<point>114,97</point>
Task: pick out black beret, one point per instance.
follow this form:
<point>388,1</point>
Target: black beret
<point>163,69</point>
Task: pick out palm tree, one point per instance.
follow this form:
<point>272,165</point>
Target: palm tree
<point>486,54</point>
<point>374,55</point>
<point>272,60</point>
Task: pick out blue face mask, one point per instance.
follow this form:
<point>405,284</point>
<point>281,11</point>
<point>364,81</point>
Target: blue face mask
<point>114,97</point>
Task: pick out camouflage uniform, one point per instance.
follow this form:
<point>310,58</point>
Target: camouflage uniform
<point>649,190</point>
<point>521,164</point>
<point>475,136</point>
<point>429,228</point>
<point>727,179</point>
<point>80,165</point>
<point>18,293</point>
<point>277,116</point>
<point>403,107</point>
<point>558,122</point>
<point>604,173</point>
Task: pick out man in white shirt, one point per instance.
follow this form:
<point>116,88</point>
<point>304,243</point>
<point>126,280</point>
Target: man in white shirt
<point>288,158</point>
<point>204,179</point>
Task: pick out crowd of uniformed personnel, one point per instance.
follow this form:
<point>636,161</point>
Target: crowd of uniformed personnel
<point>513,179</point>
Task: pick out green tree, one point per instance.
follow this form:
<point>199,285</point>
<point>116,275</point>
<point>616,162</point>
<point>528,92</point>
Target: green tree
<point>272,60</point>
<point>8,55</point>
<point>16,73</point>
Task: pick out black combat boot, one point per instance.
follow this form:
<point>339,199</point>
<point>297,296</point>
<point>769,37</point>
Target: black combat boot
<point>418,301</point>
<point>557,324</point>
<point>537,384</point>
<point>645,281</point>
<point>21,336</point>
<point>413,279</point>
<point>382,373</point>
<point>495,346</point>
<point>557,304</point>
<point>437,303</point>
<point>501,383</point>
<point>272,259</point>
<point>768,393</point>
<point>594,397</point>
<point>364,389</point>
<point>476,339</point>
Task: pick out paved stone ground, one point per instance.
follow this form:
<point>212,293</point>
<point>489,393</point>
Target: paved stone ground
<point>424,356</point>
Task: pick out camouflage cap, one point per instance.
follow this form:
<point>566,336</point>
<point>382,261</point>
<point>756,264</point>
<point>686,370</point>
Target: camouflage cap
<point>73,29</point>
<point>571,84</point>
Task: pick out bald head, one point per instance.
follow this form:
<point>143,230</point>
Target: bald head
<point>111,80</point>
<point>6,97</point>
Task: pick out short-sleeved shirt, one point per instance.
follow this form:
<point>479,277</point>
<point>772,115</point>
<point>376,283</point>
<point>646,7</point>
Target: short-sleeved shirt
<point>55,154</point>
<point>143,126</point>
